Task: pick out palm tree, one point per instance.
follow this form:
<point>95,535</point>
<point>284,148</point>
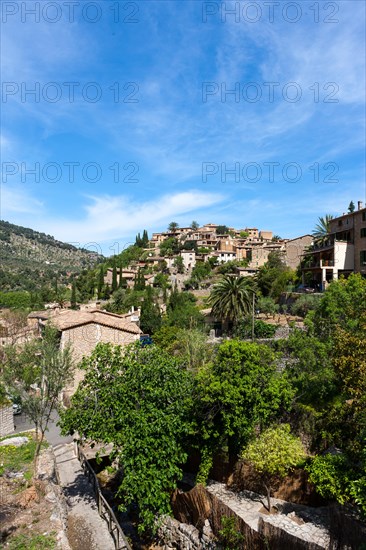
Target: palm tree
<point>231,298</point>
<point>322,228</point>
<point>172,227</point>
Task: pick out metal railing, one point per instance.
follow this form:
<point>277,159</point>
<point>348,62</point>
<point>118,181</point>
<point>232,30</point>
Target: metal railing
<point>105,511</point>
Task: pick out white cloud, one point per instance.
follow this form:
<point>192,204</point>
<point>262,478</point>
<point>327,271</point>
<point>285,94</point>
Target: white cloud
<point>119,217</point>
<point>18,201</point>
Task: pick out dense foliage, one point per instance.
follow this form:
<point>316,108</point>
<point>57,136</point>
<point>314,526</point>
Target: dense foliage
<point>140,400</point>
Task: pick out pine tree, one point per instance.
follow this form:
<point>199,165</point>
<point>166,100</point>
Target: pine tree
<point>73,295</point>
<point>351,207</point>
<point>100,282</point>
<point>114,278</point>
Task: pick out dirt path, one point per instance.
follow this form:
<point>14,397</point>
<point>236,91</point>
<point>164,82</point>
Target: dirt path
<point>86,529</point>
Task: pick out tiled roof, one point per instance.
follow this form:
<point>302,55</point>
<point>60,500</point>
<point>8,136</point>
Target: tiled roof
<point>68,318</point>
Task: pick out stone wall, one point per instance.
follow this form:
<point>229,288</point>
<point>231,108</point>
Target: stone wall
<point>182,536</point>
<point>6,420</point>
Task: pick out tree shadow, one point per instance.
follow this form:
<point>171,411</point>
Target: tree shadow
<point>81,490</point>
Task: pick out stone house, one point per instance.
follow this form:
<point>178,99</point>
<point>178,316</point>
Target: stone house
<point>294,250</point>
<point>83,330</point>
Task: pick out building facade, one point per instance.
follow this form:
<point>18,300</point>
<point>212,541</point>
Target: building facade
<point>343,251</point>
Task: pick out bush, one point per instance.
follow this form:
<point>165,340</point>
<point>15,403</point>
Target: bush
<point>304,304</point>
<point>267,305</point>
<point>261,329</point>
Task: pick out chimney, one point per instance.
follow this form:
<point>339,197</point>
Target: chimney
<point>359,205</point>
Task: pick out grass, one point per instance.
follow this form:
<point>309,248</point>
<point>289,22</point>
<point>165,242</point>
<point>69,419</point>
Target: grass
<point>31,542</point>
<point>19,459</point>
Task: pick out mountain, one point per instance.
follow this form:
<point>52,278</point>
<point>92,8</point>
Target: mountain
<point>30,259</point>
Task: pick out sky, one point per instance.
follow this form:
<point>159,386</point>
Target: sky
<point>120,116</point>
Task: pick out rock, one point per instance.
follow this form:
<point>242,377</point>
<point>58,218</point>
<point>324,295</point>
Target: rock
<point>15,441</point>
<point>14,475</point>
<point>51,497</point>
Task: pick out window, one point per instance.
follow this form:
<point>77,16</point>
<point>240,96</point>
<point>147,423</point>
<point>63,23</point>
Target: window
<point>364,216</point>
<point>363,257</point>
<point>363,231</point>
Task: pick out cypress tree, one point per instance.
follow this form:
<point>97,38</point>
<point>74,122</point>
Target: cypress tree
<point>100,282</point>
<point>122,282</point>
<point>114,278</point>
<point>145,239</point>
<point>139,280</point>
<point>73,295</point>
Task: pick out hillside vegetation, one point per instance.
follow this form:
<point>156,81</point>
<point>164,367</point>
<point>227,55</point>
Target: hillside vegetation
<point>31,259</point>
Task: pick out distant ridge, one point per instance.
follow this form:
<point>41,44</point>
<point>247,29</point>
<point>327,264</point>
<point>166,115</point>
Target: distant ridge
<point>28,255</point>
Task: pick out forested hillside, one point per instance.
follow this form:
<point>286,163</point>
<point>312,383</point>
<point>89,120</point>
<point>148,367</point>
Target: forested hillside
<point>30,259</point>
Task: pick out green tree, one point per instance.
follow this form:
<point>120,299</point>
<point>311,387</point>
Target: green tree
<point>42,365</point>
<point>343,304</point>
<point>141,400</point>
<point>145,239</point>
<point>240,392</point>
<point>114,278</point>
<point>222,230</point>
<point>273,453</point>
<point>138,241</point>
<point>231,299</point>
<point>274,277</point>
<point>351,207</point>
<point>169,247</point>
<point>200,271</point>
<point>244,329</point>
<point>305,303</point>
<point>100,281</point>
<point>194,225</point>
<point>139,283</point>
<point>122,283</point>
<point>150,318</point>
<point>179,264</point>
<point>73,295</point>
<point>161,280</point>
<point>182,311</point>
<point>267,305</point>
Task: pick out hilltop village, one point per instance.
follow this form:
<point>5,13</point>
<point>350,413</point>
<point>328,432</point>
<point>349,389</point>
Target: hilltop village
<point>223,367</point>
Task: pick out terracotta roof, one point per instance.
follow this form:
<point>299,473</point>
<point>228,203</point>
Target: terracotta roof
<point>68,318</point>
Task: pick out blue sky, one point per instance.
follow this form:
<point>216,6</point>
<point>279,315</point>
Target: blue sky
<point>130,127</point>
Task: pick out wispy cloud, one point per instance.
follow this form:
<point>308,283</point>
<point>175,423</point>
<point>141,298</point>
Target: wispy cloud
<point>119,217</point>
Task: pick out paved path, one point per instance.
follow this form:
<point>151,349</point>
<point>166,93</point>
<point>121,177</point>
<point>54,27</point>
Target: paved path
<point>23,423</point>
<point>86,529</point>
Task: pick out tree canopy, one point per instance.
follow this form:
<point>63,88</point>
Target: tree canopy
<point>139,399</point>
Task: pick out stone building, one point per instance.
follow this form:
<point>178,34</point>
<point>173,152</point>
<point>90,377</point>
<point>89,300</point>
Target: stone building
<point>83,330</point>
<point>343,251</point>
